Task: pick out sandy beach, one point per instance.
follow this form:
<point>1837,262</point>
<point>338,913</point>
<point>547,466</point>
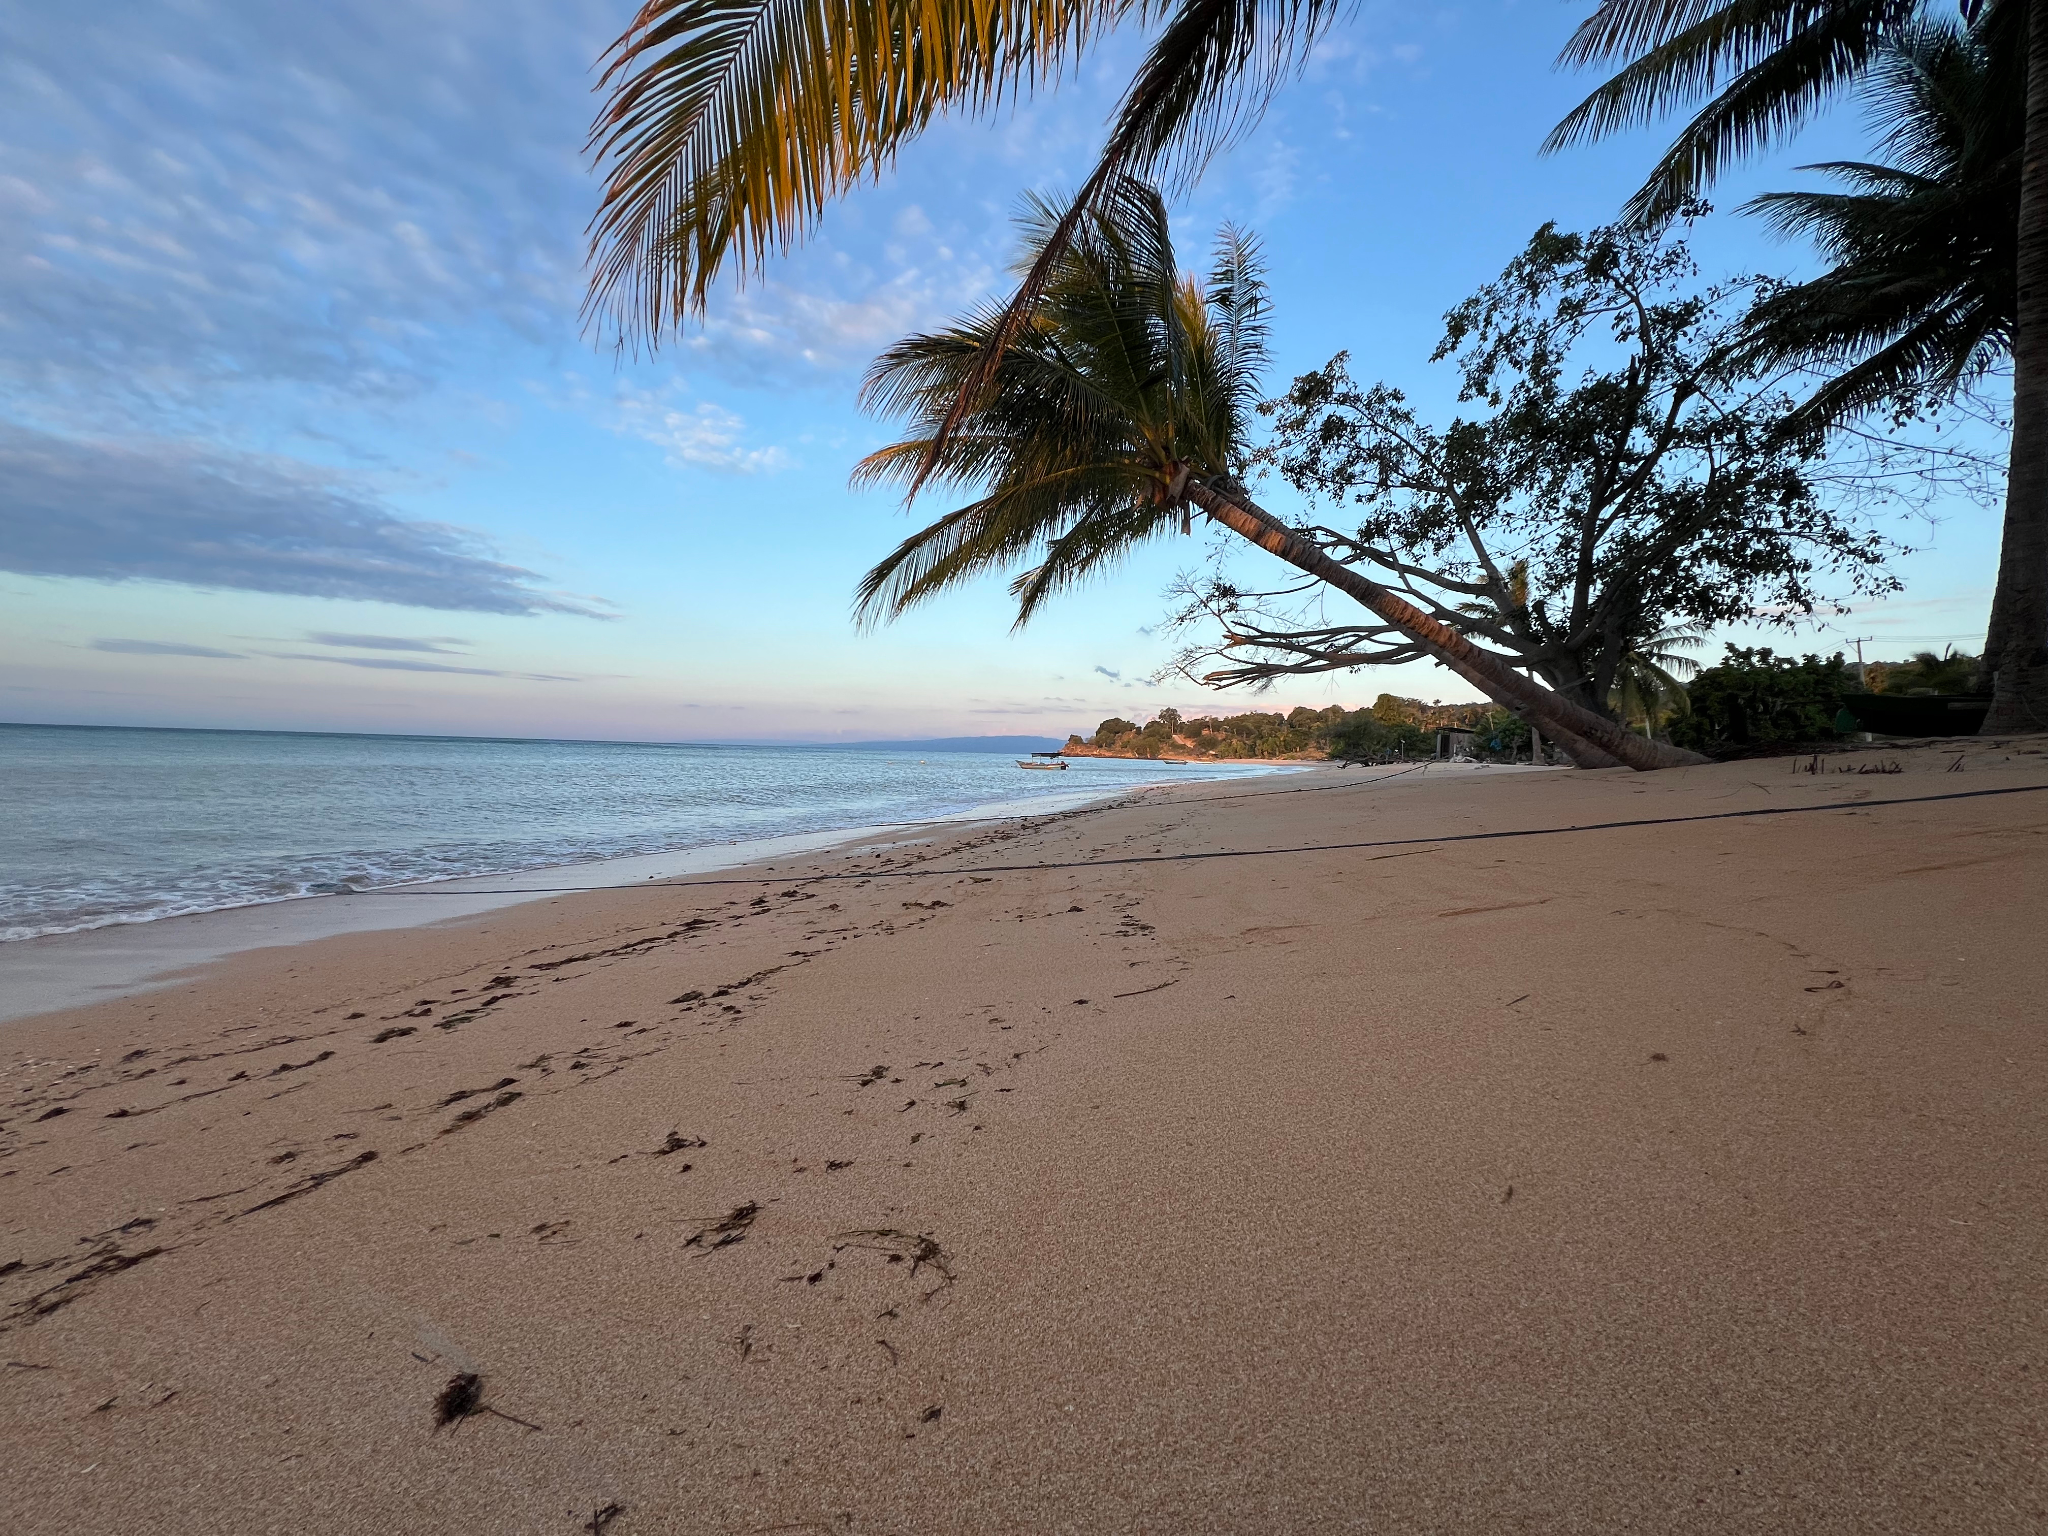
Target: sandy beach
<point>1386,1174</point>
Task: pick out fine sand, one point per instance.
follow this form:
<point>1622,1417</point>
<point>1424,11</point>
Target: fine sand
<point>1684,1177</point>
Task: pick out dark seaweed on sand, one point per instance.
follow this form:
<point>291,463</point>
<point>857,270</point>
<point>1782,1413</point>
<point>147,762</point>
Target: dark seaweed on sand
<point>463,1396</point>
<point>727,1230</point>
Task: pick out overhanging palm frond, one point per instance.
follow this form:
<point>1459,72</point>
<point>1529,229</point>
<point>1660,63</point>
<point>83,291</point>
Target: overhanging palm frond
<point>732,123</point>
<point>1206,80</point>
<point>1772,62</point>
<point>1923,292</point>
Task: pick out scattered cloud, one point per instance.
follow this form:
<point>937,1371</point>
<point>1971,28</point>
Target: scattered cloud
<point>206,517</point>
<point>236,196</point>
<point>1114,677</point>
<point>822,316</point>
<point>163,648</point>
<point>708,436</point>
<point>1275,177</point>
<point>439,645</point>
<point>395,664</point>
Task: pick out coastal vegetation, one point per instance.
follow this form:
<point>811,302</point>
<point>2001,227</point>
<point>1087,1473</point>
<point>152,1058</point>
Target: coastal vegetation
<point>1926,672</point>
<point>1916,310</point>
<point>1390,727</point>
<point>1630,465</point>
<point>1753,697</point>
<point>1612,476</point>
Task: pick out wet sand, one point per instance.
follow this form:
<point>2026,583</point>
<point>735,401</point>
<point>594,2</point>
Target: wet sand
<point>1677,1177</point>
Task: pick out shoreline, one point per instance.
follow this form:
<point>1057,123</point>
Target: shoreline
<point>52,972</point>
<point>1179,1164</point>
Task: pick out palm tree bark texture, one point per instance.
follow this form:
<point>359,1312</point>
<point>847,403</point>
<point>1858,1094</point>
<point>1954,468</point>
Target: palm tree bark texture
<point>2016,643</point>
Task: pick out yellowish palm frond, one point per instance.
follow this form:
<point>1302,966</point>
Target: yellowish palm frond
<point>731,124</point>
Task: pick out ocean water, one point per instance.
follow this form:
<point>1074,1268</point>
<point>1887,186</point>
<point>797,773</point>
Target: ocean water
<point>101,826</point>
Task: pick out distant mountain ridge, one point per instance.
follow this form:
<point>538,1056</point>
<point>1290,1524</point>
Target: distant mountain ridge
<point>958,744</point>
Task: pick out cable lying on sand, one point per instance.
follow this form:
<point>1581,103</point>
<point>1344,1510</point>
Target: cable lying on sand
<point>965,819</point>
<point>1220,853</point>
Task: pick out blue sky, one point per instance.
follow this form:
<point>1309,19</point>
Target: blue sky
<point>298,427</point>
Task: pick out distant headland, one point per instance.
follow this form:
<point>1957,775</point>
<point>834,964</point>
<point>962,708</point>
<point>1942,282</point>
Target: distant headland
<point>1391,726</point>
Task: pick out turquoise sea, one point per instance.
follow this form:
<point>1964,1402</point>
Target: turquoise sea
<point>105,825</point>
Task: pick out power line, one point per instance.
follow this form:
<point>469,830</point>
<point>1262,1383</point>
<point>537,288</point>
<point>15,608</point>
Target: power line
<point>1227,853</point>
<point>961,819</point>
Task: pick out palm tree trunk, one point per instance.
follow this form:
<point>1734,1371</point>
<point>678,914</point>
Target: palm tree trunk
<point>2016,644</point>
<point>1591,741</point>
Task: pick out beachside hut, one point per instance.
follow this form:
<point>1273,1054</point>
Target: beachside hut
<point>1453,741</point>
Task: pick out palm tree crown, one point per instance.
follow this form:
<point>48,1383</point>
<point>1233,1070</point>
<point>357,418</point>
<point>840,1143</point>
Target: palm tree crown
<point>1127,378</point>
<point>1650,681</point>
<point>1923,293</point>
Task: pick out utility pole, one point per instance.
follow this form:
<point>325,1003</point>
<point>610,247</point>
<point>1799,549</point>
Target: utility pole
<point>1861,680</point>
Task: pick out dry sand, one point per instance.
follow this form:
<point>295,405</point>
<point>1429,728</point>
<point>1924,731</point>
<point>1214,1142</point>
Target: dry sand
<point>1683,1177</point>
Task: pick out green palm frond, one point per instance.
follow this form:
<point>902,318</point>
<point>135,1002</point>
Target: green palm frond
<point>1649,682</point>
<point>1126,372</point>
<point>1923,292</point>
<point>1766,66</point>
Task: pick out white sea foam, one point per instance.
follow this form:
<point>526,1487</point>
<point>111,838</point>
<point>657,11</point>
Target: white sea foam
<point>103,827</point>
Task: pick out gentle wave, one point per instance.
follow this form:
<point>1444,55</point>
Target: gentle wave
<point>105,826</point>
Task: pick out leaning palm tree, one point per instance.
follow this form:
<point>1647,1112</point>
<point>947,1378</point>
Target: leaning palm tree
<point>1765,68</point>
<point>1920,295</point>
<point>1118,409</point>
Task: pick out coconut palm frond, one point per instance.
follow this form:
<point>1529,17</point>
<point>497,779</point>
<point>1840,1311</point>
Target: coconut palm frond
<point>731,124</point>
<point>1205,81</point>
<point>1766,66</point>
<point>1240,306</point>
<point>1649,682</point>
<point>1667,650</point>
<point>1095,542</point>
<point>1923,293</point>
<point>1127,373</point>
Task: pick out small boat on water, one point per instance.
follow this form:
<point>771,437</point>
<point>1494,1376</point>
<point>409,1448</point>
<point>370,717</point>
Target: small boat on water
<point>1055,763</point>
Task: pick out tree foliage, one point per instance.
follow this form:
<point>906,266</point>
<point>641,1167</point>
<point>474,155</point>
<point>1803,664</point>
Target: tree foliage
<point>1755,697</point>
<point>1391,727</point>
<point>1615,477</point>
<point>1949,671</point>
